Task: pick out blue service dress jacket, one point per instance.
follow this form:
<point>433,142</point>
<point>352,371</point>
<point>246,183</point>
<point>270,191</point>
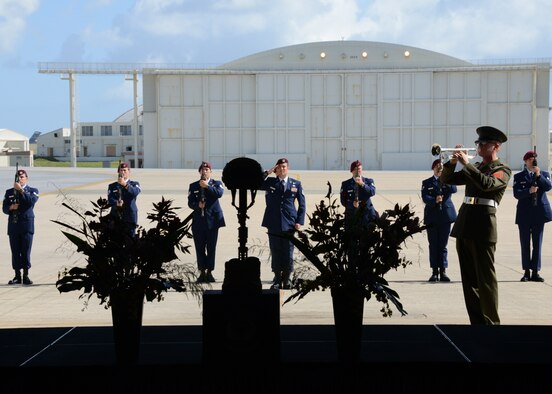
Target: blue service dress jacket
<point>280,213</point>
<point>128,195</point>
<point>351,191</point>
<point>526,212</point>
<point>444,212</point>
<point>22,220</point>
<point>212,215</point>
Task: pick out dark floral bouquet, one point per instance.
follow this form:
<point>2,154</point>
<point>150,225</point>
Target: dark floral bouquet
<point>353,256</point>
<point>119,259</point>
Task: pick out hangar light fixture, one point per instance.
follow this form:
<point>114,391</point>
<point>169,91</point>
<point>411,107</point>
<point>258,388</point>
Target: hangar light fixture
<point>364,55</point>
<point>322,55</point>
<point>407,54</point>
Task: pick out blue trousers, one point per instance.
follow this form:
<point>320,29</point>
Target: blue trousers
<point>438,236</point>
<point>205,242</point>
<point>528,233</point>
<point>21,245</point>
<point>282,254</point>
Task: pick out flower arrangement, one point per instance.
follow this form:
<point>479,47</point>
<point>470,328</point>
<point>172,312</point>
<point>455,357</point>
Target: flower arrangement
<point>354,257</point>
<point>119,260</point>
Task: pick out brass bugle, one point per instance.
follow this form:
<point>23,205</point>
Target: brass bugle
<point>444,153</point>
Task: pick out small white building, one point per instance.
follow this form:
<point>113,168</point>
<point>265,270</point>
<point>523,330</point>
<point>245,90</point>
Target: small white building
<point>96,141</point>
<point>14,149</point>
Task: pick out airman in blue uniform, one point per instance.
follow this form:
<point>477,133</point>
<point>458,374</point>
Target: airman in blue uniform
<point>475,227</point>
<point>121,196</point>
<point>281,215</point>
<point>203,198</point>
<point>532,212</point>
<point>439,213</point>
<point>18,204</point>
<point>356,192</point>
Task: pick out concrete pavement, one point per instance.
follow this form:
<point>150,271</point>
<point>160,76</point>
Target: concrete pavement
<point>41,305</point>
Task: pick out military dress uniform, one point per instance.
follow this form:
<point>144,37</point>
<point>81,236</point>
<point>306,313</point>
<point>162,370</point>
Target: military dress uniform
<point>439,218</point>
<point>21,229</point>
<point>475,229</point>
<point>281,215</point>
<point>351,192</point>
<point>206,223</point>
<point>129,212</point>
<point>531,215</point>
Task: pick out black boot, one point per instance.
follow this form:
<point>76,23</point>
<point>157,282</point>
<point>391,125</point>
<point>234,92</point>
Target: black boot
<point>535,277</point>
<point>526,276</point>
<point>286,280</point>
<point>434,276</point>
<point>26,279</point>
<point>201,278</point>
<point>209,277</point>
<point>16,279</point>
<point>443,275</point>
<point>276,282</point>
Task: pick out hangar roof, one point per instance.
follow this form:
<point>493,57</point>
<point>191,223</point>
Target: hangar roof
<point>335,55</point>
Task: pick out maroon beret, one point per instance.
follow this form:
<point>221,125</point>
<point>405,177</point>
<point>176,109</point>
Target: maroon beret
<point>355,164</point>
<point>122,165</point>
<point>438,161</point>
<point>529,155</point>
<point>22,172</point>
<point>204,164</point>
<point>282,161</point>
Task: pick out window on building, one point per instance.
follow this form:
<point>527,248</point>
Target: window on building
<point>141,130</point>
<point>107,131</point>
<point>87,131</point>
<point>125,130</point>
<point>128,148</point>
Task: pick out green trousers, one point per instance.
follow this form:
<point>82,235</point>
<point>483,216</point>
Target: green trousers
<point>479,280</point>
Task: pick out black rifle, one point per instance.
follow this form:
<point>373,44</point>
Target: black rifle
<point>202,195</point>
<point>120,191</point>
<point>534,179</point>
<point>15,199</point>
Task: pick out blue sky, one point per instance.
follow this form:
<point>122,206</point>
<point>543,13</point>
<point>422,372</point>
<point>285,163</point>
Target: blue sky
<point>212,32</point>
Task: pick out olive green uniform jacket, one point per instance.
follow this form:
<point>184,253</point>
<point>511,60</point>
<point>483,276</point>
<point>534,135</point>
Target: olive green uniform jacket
<point>485,181</point>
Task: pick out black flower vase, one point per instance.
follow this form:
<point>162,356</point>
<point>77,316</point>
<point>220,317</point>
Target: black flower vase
<point>348,307</point>
<point>126,310</point>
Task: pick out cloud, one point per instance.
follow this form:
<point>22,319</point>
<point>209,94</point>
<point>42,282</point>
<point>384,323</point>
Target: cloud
<point>13,14</point>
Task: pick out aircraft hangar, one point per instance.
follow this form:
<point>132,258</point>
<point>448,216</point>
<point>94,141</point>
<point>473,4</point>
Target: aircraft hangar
<point>325,104</point>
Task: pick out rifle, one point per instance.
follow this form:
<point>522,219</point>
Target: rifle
<point>15,194</point>
<point>120,190</point>
<point>202,195</point>
<point>534,179</point>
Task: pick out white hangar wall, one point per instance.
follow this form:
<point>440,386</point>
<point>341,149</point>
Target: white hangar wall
<point>324,119</point>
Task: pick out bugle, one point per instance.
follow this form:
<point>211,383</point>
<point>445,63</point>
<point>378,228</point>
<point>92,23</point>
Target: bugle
<point>445,153</point>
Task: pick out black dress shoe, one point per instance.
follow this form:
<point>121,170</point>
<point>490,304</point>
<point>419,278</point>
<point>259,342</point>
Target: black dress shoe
<point>434,278</point>
<point>536,278</point>
<point>209,277</point>
<point>201,278</point>
<point>27,280</point>
<point>15,281</point>
<point>525,278</point>
<point>443,277</point>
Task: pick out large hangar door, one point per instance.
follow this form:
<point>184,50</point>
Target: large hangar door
<point>361,120</point>
<point>326,122</point>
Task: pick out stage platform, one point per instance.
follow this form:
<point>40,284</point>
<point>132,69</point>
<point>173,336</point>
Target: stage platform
<point>394,359</point>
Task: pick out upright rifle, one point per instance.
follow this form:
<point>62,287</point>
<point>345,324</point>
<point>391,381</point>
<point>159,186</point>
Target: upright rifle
<point>120,191</point>
<point>202,195</point>
<point>15,200</point>
<point>534,179</point>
